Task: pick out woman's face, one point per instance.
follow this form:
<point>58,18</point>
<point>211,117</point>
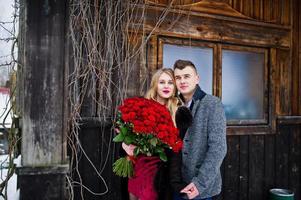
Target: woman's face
<point>166,86</point>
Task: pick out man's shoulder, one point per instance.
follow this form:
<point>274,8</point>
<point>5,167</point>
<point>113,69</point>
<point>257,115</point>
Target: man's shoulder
<point>208,98</point>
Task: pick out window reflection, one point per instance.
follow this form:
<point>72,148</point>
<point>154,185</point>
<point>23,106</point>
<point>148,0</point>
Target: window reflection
<point>243,84</point>
<point>200,56</point>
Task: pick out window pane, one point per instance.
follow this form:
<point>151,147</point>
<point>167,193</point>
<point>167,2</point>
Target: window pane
<point>201,57</point>
<point>243,84</point>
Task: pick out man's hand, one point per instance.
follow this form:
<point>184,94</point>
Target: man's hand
<point>129,149</point>
<point>191,191</point>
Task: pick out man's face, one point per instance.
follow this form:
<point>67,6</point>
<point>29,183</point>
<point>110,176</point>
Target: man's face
<point>186,80</point>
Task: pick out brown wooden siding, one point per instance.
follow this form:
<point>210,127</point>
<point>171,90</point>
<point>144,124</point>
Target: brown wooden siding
<point>256,163</point>
<point>271,11</point>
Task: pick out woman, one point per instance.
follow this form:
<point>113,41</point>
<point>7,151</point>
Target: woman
<point>141,186</point>
<point>150,181</point>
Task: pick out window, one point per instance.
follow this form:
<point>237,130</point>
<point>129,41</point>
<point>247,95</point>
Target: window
<point>202,57</point>
<point>243,85</point>
<point>236,74</point>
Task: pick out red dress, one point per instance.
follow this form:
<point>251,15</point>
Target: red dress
<point>142,183</point>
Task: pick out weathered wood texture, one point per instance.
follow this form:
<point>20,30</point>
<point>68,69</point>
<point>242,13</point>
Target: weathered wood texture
<point>262,10</point>
<point>256,163</point>
<point>282,74</point>
<point>296,59</point>
<point>42,172</point>
<point>95,165</point>
<point>43,73</point>
<point>196,25</point>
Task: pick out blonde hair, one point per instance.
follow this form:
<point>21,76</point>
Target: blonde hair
<point>173,101</point>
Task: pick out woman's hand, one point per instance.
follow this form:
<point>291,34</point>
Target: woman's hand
<point>129,149</point>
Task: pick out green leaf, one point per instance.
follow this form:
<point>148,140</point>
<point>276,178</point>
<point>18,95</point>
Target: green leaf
<point>163,156</point>
<point>136,151</point>
<point>119,137</point>
<point>145,149</point>
<point>129,139</point>
<point>153,141</point>
<point>159,150</point>
<point>123,130</point>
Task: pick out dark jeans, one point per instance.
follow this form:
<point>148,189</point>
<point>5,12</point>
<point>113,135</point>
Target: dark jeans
<point>179,197</point>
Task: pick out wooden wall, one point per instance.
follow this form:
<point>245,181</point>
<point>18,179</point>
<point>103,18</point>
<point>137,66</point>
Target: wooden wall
<point>258,159</point>
<point>256,163</point>
<point>272,11</point>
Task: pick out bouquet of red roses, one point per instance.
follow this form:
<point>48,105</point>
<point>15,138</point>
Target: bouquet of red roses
<point>148,125</point>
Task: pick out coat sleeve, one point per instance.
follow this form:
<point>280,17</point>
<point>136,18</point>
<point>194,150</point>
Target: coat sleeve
<point>175,174</point>
<point>217,148</point>
<point>183,121</point>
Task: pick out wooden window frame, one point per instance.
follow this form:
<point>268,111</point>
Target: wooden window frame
<point>193,43</point>
<point>234,127</point>
<point>266,113</point>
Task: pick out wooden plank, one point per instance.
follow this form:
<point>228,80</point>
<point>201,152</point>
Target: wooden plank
<point>284,120</point>
<point>296,58</point>
<point>276,15</point>
<point>282,157</point>
<point>216,7</point>
<point>215,28</point>
<point>284,67</point>
<point>134,66</point>
<point>247,8</point>
<point>274,88</point>
<point>295,160</point>
<point>286,17</point>
<point>244,167</point>
<point>43,72</point>
<point>217,71</point>
<point>262,10</point>
<point>256,167</point>
<point>269,164</point>
<point>249,130</point>
<point>89,162</point>
<point>231,177</point>
<point>298,4</point>
<point>257,9</point>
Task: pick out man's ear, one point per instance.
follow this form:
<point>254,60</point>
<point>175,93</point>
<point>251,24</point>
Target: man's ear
<point>198,78</point>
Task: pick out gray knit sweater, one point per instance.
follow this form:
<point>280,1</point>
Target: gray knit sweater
<point>205,145</point>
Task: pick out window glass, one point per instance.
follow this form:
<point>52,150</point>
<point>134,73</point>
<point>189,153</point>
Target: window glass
<point>202,58</point>
<point>243,84</point>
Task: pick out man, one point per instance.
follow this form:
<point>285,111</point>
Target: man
<point>204,144</point>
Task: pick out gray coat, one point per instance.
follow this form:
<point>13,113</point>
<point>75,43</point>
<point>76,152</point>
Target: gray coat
<point>205,145</point>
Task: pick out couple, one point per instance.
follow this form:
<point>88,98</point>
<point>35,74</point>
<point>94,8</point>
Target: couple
<point>204,142</point>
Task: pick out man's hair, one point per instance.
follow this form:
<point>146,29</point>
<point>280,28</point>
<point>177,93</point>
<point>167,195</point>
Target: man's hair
<point>181,64</point>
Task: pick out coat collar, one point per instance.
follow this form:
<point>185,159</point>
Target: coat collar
<point>198,95</point>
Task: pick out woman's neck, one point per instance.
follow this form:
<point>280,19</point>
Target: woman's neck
<point>161,100</point>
